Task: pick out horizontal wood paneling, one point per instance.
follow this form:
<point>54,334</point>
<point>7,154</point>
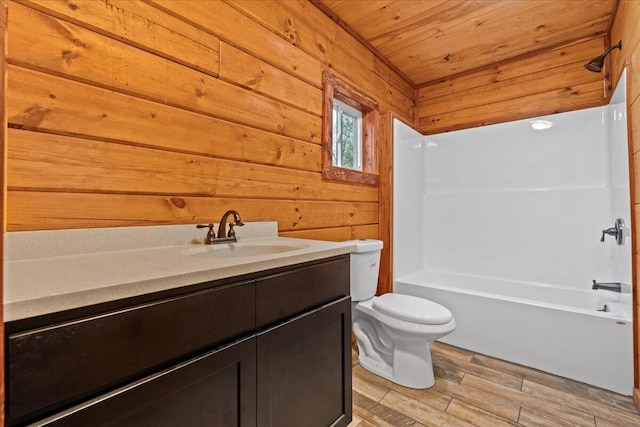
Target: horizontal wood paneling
<point>338,234</point>
<point>87,210</point>
<point>249,72</point>
<point>549,102</point>
<point>503,92</point>
<point>40,101</point>
<point>126,113</point>
<point>56,162</point>
<point>549,83</point>
<point>99,60</point>
<point>567,57</point>
<point>309,29</point>
<point>222,20</point>
<point>143,26</point>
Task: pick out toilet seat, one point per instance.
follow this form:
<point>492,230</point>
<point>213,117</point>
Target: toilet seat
<point>412,309</point>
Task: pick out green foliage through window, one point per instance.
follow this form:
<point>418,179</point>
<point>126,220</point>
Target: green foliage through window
<point>347,139</point>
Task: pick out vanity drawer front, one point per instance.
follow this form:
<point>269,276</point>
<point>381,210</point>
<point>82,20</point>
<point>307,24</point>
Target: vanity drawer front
<point>285,295</point>
<point>214,389</point>
<point>61,364</point>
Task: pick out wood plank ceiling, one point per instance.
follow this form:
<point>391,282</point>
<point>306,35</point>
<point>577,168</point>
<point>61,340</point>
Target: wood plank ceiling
<point>431,39</point>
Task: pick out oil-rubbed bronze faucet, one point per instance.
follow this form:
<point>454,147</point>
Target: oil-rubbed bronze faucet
<point>223,225</point>
<point>223,236</point>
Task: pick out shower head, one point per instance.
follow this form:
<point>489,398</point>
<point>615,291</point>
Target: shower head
<point>596,64</point>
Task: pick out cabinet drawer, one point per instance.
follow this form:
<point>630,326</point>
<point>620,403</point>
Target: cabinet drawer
<point>52,367</point>
<point>215,389</point>
<point>285,295</point>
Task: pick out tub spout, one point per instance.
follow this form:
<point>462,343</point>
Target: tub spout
<point>611,286</point>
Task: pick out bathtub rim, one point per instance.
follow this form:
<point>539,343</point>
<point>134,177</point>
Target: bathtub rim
<point>608,296</point>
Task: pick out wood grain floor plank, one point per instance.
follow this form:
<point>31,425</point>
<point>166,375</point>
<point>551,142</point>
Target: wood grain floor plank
<point>372,390</point>
<point>556,410</point>
<point>478,398</point>
<point>451,351</point>
<point>473,389</point>
<point>531,374</point>
<point>605,423</point>
<point>476,416</point>
<point>624,403</point>
<point>429,396</point>
<point>355,422</point>
<point>380,415</point>
<point>447,368</point>
<point>588,406</point>
<point>455,365</point>
<point>421,412</point>
<point>531,418</point>
<point>365,423</point>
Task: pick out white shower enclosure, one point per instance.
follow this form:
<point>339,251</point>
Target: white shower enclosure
<point>524,203</point>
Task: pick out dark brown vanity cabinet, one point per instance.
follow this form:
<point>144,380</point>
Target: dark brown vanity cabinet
<point>267,350</point>
<point>304,369</point>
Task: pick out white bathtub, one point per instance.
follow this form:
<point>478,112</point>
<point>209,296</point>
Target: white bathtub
<point>551,328</point>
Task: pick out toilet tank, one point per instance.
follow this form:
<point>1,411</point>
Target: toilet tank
<point>365,264</point>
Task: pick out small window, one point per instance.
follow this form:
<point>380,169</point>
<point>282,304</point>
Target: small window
<point>349,133</point>
<point>347,136</point>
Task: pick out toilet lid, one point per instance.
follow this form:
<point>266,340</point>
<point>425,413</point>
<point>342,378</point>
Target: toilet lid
<point>412,309</point>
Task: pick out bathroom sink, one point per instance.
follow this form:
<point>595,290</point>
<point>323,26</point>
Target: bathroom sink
<point>241,249</point>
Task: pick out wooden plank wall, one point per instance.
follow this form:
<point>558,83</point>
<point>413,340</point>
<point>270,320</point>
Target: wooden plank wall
<point>625,27</point>
<point>548,82</point>
<point>126,113</point>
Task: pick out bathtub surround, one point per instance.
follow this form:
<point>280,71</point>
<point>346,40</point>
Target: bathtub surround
<point>509,219</point>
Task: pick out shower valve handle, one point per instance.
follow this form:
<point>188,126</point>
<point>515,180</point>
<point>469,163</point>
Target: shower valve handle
<point>617,231</point>
<point>610,231</point>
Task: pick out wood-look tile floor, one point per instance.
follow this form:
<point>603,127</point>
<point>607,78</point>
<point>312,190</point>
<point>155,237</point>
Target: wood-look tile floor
<point>476,390</point>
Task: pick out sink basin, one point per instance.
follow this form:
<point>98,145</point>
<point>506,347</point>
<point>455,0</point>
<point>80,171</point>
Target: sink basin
<point>241,250</point>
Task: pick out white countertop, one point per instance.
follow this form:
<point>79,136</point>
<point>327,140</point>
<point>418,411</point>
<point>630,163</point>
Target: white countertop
<point>51,271</point>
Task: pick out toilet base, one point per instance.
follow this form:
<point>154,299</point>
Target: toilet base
<point>395,349</point>
<point>412,366</point>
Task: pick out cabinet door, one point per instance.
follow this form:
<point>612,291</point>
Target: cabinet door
<point>215,389</point>
<point>304,369</point>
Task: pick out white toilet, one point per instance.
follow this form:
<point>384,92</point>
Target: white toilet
<point>394,331</point>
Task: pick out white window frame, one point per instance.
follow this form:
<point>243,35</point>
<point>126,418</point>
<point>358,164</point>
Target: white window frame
<point>341,109</point>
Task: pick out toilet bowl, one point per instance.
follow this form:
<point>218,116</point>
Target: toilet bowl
<point>394,332</point>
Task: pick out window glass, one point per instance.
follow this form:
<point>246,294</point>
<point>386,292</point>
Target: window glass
<point>347,136</point>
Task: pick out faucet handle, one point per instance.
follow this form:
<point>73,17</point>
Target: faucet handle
<point>232,232</point>
<point>211,235</point>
